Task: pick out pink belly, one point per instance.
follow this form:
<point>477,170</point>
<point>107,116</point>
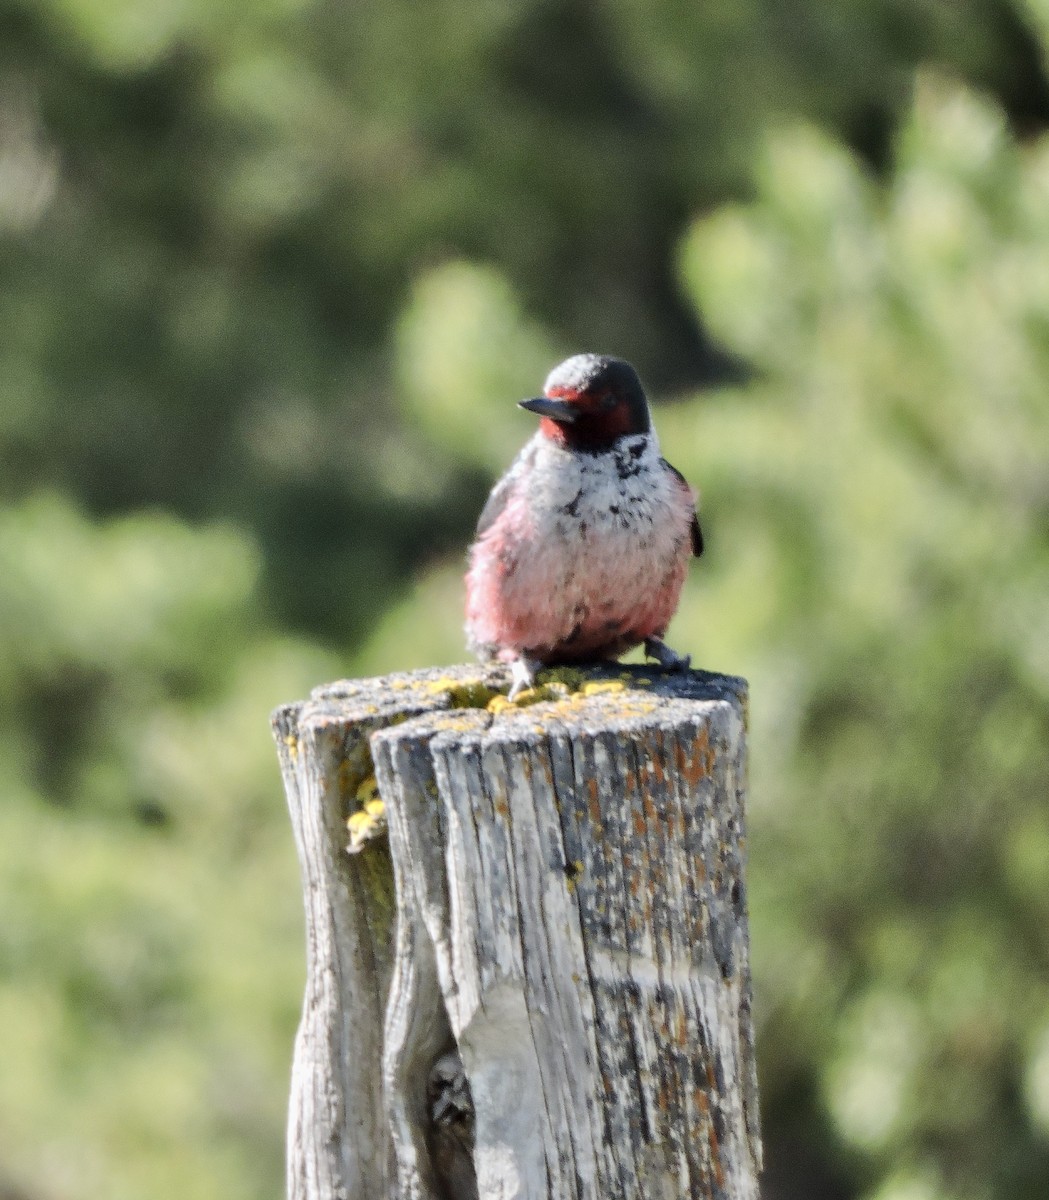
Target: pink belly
<point>560,612</point>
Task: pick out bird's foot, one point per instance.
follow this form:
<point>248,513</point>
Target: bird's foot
<point>522,675</point>
<point>670,661</point>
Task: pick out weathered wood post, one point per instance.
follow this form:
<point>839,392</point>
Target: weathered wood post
<point>555,927</point>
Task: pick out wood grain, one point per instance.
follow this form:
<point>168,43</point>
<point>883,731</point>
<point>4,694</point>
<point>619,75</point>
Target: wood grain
<point>561,904</point>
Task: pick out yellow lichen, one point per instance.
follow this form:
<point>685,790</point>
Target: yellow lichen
<point>472,693</point>
<point>555,685</point>
<point>444,684</point>
<point>367,790</point>
<point>572,677</point>
<point>464,693</point>
<point>357,821</point>
<point>603,685</point>
<point>368,821</point>
<point>552,690</point>
<point>365,825</point>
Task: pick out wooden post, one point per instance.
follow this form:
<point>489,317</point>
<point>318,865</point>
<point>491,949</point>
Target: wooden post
<point>537,985</point>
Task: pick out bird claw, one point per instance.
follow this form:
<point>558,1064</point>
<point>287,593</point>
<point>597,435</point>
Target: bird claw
<point>667,658</point>
<point>522,675</point>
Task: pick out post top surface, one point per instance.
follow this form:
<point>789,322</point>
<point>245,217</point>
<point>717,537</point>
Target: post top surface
<point>604,696</point>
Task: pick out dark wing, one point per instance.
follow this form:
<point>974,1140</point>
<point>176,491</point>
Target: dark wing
<point>503,490</point>
<point>697,537</point>
<point>493,506</point>
<point>697,533</point>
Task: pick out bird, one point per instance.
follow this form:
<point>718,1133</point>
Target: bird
<point>582,549</point>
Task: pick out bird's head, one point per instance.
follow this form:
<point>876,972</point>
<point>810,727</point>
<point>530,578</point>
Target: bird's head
<point>589,401</point>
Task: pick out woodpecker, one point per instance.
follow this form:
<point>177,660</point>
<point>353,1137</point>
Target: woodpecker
<point>581,552</point>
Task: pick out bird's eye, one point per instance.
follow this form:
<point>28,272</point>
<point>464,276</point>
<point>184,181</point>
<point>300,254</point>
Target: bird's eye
<point>608,401</point>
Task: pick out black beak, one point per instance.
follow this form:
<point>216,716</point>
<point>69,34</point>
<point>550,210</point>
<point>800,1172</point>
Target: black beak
<point>556,410</point>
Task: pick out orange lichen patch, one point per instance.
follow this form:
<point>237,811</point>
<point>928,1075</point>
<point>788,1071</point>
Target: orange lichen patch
<point>715,1155</point>
<point>656,767</point>
<point>593,800</point>
<point>695,766</point>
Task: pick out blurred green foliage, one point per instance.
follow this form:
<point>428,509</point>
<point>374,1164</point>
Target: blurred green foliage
<point>274,274</point>
<point>888,476</point>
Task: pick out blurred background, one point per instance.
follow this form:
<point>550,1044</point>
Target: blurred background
<point>273,274</point>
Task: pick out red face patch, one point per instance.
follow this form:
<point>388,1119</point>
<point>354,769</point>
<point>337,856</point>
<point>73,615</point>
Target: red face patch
<point>603,417</point>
